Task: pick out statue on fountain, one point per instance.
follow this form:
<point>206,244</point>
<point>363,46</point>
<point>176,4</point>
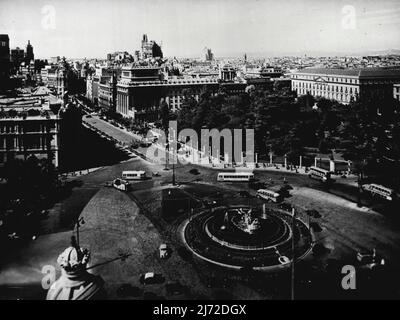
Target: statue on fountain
<point>248,222</point>
<point>75,282</point>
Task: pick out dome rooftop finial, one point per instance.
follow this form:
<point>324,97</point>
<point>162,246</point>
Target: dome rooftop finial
<point>75,282</point>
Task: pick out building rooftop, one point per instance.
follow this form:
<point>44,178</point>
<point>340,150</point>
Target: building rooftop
<point>138,67</point>
<point>359,72</point>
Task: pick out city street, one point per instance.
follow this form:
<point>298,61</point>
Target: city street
<point>118,224</point>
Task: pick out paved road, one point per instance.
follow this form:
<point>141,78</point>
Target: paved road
<point>116,132</point>
<point>338,201</point>
<point>114,225</point>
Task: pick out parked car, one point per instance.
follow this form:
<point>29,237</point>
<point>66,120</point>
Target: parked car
<point>151,278</point>
<point>145,144</point>
<point>164,251</point>
<point>365,257</point>
<point>121,184</point>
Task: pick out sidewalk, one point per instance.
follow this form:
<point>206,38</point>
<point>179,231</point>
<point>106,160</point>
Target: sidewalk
<point>196,158</point>
<point>78,173</point>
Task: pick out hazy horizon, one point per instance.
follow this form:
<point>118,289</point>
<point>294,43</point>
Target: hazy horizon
<point>93,28</point>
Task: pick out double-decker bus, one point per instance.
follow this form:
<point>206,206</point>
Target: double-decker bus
<point>133,175</point>
<point>235,176</point>
<point>319,174</point>
<point>269,195</point>
<point>380,191</point>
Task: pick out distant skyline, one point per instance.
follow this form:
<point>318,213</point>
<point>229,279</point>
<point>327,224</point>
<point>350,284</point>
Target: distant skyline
<point>93,28</point>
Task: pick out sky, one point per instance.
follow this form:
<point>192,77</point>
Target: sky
<point>93,28</point>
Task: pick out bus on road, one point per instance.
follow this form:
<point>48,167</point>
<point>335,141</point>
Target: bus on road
<point>319,174</point>
<point>134,175</point>
<point>235,176</point>
<point>269,195</point>
<point>380,191</point>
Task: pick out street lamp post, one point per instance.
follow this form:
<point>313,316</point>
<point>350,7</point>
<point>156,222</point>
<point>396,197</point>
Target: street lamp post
<point>173,173</point>
<point>78,223</point>
<point>166,154</point>
<point>293,253</point>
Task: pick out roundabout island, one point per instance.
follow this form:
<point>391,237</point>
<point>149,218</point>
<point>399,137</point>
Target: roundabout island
<point>240,237</point>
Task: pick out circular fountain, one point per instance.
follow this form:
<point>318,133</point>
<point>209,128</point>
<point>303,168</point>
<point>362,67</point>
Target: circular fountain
<point>239,236</point>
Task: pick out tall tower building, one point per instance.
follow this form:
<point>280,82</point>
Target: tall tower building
<point>147,47</point>
<point>17,56</point>
<point>4,57</point>
<point>29,53</point>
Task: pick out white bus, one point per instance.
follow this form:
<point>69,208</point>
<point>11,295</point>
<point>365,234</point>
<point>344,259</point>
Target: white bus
<point>235,176</point>
<point>269,195</point>
<point>381,191</point>
<point>133,175</point>
<point>319,174</point>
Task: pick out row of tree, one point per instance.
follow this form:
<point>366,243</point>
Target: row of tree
<point>286,124</point>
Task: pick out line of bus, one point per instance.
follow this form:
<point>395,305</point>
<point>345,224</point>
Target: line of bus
<point>380,191</point>
<point>235,176</point>
<point>319,174</point>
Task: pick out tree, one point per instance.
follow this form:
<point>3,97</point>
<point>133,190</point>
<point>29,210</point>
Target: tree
<point>164,115</point>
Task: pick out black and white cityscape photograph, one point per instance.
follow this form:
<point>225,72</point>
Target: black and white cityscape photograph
<point>206,150</point>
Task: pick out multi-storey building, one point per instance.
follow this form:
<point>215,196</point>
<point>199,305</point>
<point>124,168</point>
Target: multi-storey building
<point>92,88</point>
<point>227,73</point>
<point>343,85</point>
<point>396,91</point>
<point>25,133</point>
<point>62,78</point>
<point>17,57</point>
<point>142,88</point>
<point>176,90</point>
<point>207,54</point>
<point>102,77</point>
<point>139,91</point>
<point>150,49</point>
<point>55,60</point>
<point>43,74</point>
<point>29,56</point>
<point>4,59</point>
<point>39,125</point>
<point>107,93</point>
<point>27,70</point>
